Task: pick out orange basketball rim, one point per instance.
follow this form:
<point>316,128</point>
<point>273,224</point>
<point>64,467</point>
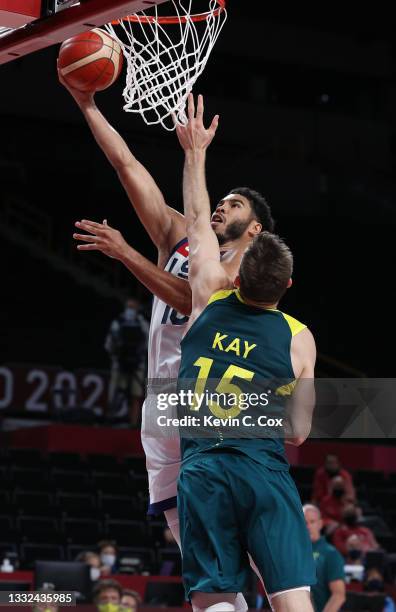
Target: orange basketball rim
<point>173,19</point>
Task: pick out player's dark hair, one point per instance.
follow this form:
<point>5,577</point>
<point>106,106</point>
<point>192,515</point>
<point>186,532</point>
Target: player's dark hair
<point>260,207</point>
<point>266,268</point>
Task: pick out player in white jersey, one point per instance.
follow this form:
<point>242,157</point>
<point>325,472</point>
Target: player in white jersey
<point>163,454</point>
<point>238,217</point>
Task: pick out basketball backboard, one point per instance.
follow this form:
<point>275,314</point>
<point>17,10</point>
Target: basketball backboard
<point>29,25</point>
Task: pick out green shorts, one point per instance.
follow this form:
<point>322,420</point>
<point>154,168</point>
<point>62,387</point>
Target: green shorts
<point>230,505</point>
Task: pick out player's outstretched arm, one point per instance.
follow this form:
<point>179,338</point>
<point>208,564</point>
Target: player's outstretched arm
<point>206,274</point>
<point>302,401</point>
<point>165,225</point>
<point>170,289</point>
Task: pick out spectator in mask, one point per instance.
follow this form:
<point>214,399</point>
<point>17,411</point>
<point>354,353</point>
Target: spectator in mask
<point>374,585</point>
<point>354,560</point>
<point>349,527</point>
<point>332,505</point>
<point>328,593</point>
<point>93,560</point>
<point>325,474</point>
<point>108,557</point>
<point>126,343</point>
<point>130,601</point>
<point>106,595</point>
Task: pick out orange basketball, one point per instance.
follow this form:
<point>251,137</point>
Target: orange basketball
<point>90,61</point>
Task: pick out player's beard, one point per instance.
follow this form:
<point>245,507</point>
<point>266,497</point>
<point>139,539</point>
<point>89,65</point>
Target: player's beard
<point>234,231</point>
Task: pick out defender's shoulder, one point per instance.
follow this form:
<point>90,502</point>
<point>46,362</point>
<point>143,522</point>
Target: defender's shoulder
<point>295,326</point>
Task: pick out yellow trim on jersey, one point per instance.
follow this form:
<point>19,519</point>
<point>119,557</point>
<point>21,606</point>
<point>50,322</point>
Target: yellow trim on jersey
<point>295,326</point>
<point>240,298</point>
<point>286,389</point>
<point>220,295</point>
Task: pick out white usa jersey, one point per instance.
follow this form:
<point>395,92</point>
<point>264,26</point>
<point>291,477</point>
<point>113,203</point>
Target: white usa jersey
<point>166,330</point>
<point>167,325</point>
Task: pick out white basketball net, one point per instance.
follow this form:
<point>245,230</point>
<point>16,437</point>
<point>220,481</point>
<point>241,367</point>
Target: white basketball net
<point>164,60</point>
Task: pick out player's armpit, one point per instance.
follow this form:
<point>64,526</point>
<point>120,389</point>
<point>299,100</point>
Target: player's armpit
<point>205,280</point>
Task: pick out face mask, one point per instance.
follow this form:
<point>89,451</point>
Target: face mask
<point>337,493</point>
<point>350,520</point>
<point>95,573</point>
<point>108,607</point>
<point>354,554</point>
<point>108,560</point>
<point>376,584</point>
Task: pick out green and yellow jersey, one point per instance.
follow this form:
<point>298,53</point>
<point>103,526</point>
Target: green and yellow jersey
<point>237,345</point>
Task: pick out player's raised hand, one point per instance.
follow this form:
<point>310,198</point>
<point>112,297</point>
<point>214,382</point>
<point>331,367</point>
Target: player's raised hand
<point>81,97</point>
<point>101,237</point>
<point>194,136</point>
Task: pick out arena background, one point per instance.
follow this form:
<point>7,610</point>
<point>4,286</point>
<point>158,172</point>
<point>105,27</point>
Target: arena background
<point>307,117</point>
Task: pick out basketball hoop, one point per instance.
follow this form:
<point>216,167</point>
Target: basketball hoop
<point>163,62</point>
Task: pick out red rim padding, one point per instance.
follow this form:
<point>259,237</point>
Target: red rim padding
<point>173,19</point>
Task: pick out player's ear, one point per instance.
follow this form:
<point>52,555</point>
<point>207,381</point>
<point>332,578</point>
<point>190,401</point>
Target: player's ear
<point>289,283</point>
<point>237,282</point>
<point>255,228</point>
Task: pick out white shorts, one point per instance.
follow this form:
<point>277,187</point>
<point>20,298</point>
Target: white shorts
<point>163,466</point>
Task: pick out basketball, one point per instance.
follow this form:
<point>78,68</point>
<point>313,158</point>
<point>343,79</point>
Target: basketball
<point>90,61</point>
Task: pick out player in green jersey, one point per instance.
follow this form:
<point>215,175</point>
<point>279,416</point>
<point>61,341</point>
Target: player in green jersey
<point>235,495</point>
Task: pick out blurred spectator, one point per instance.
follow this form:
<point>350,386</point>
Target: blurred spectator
<point>93,560</point>
<point>46,607</point>
<point>374,585</point>
<point>354,550</point>
<point>130,601</point>
<point>354,560</point>
<point>332,505</point>
<point>107,595</point>
<point>108,557</point>
<point>329,592</point>
<point>325,474</point>
<point>126,343</point>
<point>351,527</point>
